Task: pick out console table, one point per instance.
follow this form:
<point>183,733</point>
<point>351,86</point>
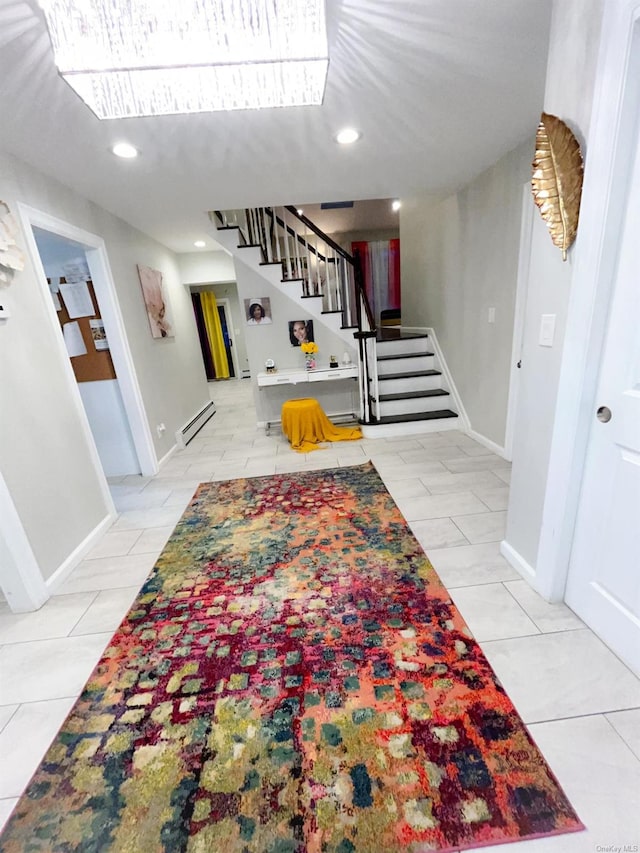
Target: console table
<point>300,376</point>
<point>297,375</point>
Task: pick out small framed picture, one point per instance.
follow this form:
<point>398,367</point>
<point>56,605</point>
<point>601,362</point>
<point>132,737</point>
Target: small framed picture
<point>258,311</point>
<point>300,332</point>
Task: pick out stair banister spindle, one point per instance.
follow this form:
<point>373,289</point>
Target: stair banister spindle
<point>317,283</point>
<point>327,279</point>
<point>296,246</point>
<point>276,245</point>
<point>346,293</point>
<point>307,278</point>
<point>374,365</point>
<point>254,228</point>
<point>278,253</point>
<point>333,287</point>
<point>244,228</point>
<point>268,251</point>
<point>362,382</point>
<point>287,245</point>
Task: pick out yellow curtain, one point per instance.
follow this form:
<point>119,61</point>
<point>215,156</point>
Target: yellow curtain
<point>214,333</point>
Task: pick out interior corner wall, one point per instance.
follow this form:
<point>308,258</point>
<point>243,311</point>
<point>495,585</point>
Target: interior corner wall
<point>459,258</point>
<point>45,456</point>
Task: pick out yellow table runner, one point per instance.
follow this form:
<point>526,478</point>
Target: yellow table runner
<point>305,425</point>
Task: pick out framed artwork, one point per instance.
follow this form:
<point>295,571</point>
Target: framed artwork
<point>300,332</point>
<point>258,311</point>
<point>155,302</point>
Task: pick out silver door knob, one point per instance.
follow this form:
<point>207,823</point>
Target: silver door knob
<point>604,414</point>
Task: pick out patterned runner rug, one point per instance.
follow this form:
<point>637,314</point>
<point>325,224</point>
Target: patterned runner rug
<point>293,678</point>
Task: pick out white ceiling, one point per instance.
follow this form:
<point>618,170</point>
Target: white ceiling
<point>439,88</point>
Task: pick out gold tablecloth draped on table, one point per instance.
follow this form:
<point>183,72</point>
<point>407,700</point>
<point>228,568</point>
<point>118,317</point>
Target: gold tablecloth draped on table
<point>305,425</point>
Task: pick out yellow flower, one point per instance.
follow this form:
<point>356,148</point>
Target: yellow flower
<point>309,347</point>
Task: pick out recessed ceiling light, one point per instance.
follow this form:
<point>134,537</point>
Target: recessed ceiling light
<point>347,136</point>
<point>123,149</point>
<point>300,211</point>
<point>199,244</point>
<point>396,205</point>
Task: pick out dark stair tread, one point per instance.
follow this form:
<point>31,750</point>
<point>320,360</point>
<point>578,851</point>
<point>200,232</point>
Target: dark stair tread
<point>403,355</point>
<point>389,333</point>
<point>411,375</point>
<point>268,263</point>
<point>338,311</point>
<point>311,296</point>
<point>416,416</point>
<point>226,227</point>
<point>348,327</point>
<point>413,395</point>
<point>248,246</point>
<point>287,280</point>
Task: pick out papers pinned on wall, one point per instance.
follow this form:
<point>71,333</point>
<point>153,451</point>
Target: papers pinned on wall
<point>56,300</point>
<point>77,299</point>
<point>73,340</point>
<point>98,334</point>
<point>76,270</point>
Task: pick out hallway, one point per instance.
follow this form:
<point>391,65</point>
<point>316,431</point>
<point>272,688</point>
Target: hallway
<point>581,703</point>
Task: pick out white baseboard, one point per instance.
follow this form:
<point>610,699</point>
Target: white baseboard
<point>519,563</point>
<point>491,445</point>
<point>64,570</point>
<point>167,456</point>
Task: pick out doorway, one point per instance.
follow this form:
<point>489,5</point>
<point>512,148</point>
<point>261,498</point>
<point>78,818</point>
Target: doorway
<point>102,280</point>
<point>219,320</point>
<point>81,324</point>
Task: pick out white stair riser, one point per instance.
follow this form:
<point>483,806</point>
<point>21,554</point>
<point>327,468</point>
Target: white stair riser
<point>413,404</point>
<point>406,365</point>
<point>402,346</point>
<point>410,428</point>
<point>410,383</point>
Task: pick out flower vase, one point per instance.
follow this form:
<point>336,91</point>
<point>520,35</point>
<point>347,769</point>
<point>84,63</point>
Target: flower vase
<point>310,360</point>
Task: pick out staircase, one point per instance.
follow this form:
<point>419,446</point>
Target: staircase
<point>409,384</point>
<point>400,380</point>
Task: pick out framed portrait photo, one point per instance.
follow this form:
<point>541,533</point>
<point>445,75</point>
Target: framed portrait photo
<point>300,332</point>
<point>258,311</point>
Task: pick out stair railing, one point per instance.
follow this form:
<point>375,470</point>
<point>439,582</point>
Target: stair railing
<point>306,254</point>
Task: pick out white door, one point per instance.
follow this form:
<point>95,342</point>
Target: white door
<point>603,585</point>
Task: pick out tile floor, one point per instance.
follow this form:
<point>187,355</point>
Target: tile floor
<point>581,703</point>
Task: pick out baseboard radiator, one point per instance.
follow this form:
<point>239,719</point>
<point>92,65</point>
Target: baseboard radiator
<point>191,429</point>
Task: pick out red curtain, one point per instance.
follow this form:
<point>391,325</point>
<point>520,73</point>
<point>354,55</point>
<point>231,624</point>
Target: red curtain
<point>386,294</point>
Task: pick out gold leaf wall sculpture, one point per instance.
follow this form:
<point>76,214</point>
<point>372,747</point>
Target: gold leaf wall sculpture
<point>557,180</point>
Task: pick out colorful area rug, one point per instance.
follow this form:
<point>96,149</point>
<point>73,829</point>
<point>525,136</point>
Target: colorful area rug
<point>293,678</point>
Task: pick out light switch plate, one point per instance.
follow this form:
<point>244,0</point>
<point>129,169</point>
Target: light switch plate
<point>491,315</point>
<point>547,330</point>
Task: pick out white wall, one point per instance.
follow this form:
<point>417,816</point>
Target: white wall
<point>206,267</point>
<point>44,455</point>
<point>570,81</point>
<point>459,257</point>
